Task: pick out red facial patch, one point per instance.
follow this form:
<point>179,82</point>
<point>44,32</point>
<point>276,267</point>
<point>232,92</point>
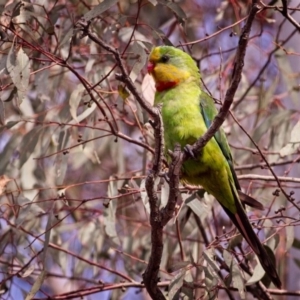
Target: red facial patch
<point>162,86</point>
<point>150,67</point>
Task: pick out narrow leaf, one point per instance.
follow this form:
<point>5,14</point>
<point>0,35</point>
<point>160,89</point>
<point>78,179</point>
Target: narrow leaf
<point>99,9</point>
<point>208,255</point>
<point>140,61</point>
<point>235,273</point>
<point>176,283</point>
<point>18,68</point>
<point>258,273</point>
<point>28,144</point>
<point>37,285</point>
<point>74,101</point>
<point>294,142</point>
<point>290,236</point>
<point>2,113</point>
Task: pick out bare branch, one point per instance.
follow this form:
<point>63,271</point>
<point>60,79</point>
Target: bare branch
<point>236,78</point>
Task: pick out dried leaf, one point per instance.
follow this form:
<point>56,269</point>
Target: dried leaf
<point>202,208</point>
<point>290,236</point>
<point>99,9</point>
<point>74,101</point>
<point>148,89</point>
<point>296,243</point>
<point>86,233</point>
<point>177,10</point>
<point>165,191</point>
<point>17,65</point>
<point>139,63</point>
<point>47,237</point>
<point>3,182</point>
<point>2,113</point>
<point>28,271</point>
<point>294,142</point>
<point>258,273</point>
<point>209,256</point>
<point>37,285</point>
<point>176,283</point>
<point>153,2</point>
<point>110,213</point>
<point>28,144</point>
<point>235,273</point>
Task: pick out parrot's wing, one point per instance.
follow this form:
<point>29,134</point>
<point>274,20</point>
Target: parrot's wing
<point>209,111</point>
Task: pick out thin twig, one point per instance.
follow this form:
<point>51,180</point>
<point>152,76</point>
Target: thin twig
<point>236,78</point>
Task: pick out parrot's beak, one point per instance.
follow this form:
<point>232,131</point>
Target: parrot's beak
<point>150,67</point>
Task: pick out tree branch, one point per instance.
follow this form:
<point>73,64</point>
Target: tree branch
<point>236,78</point>
<point>124,76</point>
<point>159,218</point>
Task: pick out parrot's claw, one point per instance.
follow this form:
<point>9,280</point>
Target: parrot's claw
<point>189,151</point>
<point>165,176</point>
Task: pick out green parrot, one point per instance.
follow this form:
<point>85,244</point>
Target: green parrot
<point>187,113</point>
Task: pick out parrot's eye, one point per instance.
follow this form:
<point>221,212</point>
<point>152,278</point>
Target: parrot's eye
<point>165,58</point>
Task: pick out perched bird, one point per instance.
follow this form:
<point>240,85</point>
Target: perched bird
<point>187,112</point>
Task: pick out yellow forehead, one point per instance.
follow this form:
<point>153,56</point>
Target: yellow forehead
<point>155,54</point>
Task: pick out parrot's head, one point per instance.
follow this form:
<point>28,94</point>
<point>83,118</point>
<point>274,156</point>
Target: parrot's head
<point>170,66</point>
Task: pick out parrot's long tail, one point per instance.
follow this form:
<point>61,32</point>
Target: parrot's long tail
<point>241,221</point>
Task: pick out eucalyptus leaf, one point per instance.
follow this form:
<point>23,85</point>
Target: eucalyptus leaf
<point>176,283</point>
<point>28,143</point>
<point>18,67</point>
<point>99,9</point>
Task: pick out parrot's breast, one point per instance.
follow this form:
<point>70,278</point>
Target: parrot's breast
<point>184,124</point>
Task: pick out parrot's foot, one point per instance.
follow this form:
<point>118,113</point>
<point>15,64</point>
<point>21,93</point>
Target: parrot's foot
<point>165,176</point>
<point>188,149</point>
